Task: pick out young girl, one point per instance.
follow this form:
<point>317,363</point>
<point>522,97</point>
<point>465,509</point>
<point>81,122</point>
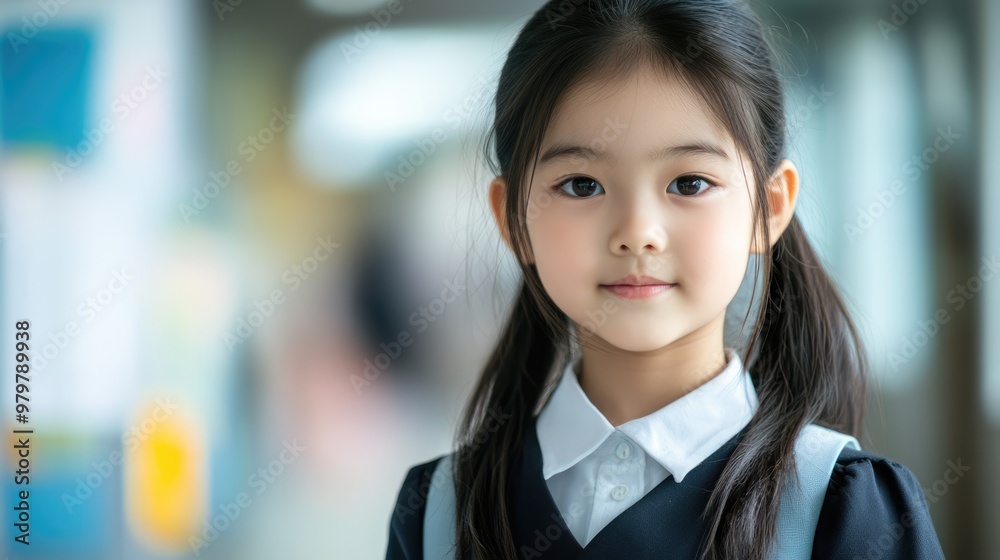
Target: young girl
<point>639,148</point>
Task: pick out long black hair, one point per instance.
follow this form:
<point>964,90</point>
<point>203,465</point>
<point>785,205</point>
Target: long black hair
<point>804,353</point>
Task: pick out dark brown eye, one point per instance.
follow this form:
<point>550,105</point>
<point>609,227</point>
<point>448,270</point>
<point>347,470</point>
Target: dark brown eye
<point>690,185</point>
<point>580,187</point>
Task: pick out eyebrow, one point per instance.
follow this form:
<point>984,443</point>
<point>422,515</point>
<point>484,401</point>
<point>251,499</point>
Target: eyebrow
<point>564,150</point>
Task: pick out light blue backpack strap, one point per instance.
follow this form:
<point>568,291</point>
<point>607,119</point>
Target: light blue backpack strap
<point>439,517</point>
<point>816,452</point>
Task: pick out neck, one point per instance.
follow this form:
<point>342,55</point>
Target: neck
<point>627,385</point>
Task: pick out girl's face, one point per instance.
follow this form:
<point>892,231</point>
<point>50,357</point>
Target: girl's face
<point>638,178</point>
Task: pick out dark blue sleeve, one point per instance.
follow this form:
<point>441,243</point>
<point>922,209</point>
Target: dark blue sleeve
<point>406,537</point>
<point>874,508</point>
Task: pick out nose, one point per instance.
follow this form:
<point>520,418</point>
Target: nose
<point>638,229</point>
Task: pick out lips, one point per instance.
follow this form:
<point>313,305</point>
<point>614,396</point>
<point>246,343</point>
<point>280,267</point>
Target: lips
<point>638,292</point>
<point>638,287</point>
<point>633,280</point>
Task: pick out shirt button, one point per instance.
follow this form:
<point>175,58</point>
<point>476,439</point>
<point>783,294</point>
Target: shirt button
<point>618,493</point>
<point>624,451</point>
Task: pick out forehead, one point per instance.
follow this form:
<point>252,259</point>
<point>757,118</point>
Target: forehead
<point>648,110</point>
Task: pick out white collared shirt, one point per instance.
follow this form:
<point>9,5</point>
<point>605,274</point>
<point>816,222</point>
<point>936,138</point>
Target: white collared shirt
<point>595,471</point>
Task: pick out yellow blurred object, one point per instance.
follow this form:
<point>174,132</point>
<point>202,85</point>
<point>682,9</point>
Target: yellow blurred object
<point>165,479</point>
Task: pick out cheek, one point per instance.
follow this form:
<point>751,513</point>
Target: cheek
<point>713,252</point>
<point>563,243</point>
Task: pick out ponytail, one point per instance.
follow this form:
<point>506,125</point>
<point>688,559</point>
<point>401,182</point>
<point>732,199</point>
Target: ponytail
<point>510,387</point>
<point>810,368</point>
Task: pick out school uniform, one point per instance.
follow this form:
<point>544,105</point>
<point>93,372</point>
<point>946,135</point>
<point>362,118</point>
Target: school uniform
<point>582,488</point>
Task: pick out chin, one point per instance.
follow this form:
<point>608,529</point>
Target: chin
<point>633,339</point>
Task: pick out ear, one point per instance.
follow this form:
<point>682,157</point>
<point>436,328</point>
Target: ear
<point>498,194</point>
<point>782,191</point>
<point>498,199</point>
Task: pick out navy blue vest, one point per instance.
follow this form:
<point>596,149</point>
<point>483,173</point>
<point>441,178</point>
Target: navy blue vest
<point>664,523</point>
<point>867,499</point>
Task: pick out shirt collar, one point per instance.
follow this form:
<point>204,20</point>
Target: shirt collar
<point>678,436</point>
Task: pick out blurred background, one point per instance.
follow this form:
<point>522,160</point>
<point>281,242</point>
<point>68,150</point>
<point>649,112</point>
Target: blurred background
<point>221,218</point>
